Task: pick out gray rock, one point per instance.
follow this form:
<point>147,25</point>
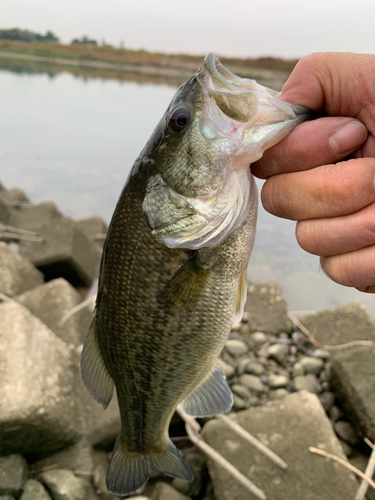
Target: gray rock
<point>307,478</point>
<point>38,406</point>
<point>241,390</point>
<point>197,464</point>
<point>277,381</point>
<point>322,354</point>
<point>353,381</point>
<point>13,474</point>
<point>227,369</point>
<point>50,302</point>
<point>33,217</point>
<point>64,485</point>
<point>252,382</point>
<point>278,394</point>
<point>345,431</point>
<point>306,383</point>
<point>259,338</point>
<point>254,367</point>
<point>66,251</point>
<point>346,448</point>
<point>312,365</point>
<point>13,197</point>
<point>335,414</point>
<point>99,481</point>
<point>163,491</point>
<point>34,491</point>
<point>267,309</point>
<point>16,273</point>
<point>5,212</point>
<point>239,403</point>
<point>277,352</point>
<point>341,324</point>
<point>6,497</point>
<point>236,347</point>
<point>327,399</point>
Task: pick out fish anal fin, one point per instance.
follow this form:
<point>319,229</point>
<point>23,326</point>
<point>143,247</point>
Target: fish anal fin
<point>94,372</point>
<point>241,297</point>
<point>129,470</point>
<point>185,288</point>
<point>212,397</point>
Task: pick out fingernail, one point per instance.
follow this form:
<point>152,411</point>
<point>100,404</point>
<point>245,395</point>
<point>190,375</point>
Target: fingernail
<point>348,137</point>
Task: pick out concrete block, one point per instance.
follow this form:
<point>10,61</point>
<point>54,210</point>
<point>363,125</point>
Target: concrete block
<point>94,228</point>
<point>288,427</point>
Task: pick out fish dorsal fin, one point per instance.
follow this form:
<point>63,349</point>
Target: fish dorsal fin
<point>95,374</point>
<point>212,397</point>
<point>241,297</point>
<point>185,288</point>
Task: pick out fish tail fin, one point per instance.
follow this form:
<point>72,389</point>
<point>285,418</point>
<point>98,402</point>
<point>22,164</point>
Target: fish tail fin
<point>129,470</point>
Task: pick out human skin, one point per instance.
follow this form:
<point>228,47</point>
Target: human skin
<point>322,175</point>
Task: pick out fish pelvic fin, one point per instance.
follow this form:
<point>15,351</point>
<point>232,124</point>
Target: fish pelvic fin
<point>129,470</point>
<point>241,297</point>
<point>212,397</point>
<point>94,372</point>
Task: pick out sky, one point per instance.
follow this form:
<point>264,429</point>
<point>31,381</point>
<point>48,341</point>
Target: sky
<point>246,28</point>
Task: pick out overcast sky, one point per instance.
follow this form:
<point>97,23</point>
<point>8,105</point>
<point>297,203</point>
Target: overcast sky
<point>287,28</point>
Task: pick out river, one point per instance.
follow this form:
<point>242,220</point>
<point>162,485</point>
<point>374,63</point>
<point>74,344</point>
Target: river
<point>73,140</point>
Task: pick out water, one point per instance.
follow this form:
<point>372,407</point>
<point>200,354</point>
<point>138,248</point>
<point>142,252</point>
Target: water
<point>74,140</point>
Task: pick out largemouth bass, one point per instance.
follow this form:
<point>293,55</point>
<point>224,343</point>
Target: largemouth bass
<point>173,272</point>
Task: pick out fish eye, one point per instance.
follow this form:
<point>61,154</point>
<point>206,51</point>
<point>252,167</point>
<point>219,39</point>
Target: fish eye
<point>180,119</point>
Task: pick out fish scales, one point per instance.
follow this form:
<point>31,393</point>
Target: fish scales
<point>173,272</point>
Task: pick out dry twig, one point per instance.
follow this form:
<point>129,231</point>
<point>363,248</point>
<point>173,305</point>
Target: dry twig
<point>344,463</point>
<point>369,472</point>
<point>193,431</point>
<point>318,344</point>
<point>76,309</point>
<point>11,233</point>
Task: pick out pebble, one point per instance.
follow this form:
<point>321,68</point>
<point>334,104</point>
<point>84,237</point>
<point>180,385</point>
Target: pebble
<point>345,431</point>
<point>241,390</point>
<point>239,403</point>
<point>307,382</point>
<point>254,367</point>
<point>347,449</point>
<point>64,485</point>
<point>277,381</point>
<point>259,338</point>
<point>283,335</point>
<point>322,354</point>
<point>327,399</point>
<point>312,365</point>
<point>227,369</point>
<point>252,382</point>
<point>277,352</point>
<point>13,474</point>
<point>290,360</point>
<point>298,370</point>
<point>236,347</point>
<point>278,394</point>
<point>335,414</point>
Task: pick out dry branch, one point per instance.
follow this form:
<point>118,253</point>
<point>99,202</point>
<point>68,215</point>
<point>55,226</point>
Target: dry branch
<point>76,309</point>
<point>369,472</point>
<point>319,345</point>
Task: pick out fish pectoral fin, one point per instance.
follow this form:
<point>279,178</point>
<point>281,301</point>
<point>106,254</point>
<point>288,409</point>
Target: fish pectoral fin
<point>185,288</point>
<point>241,297</point>
<point>129,470</point>
<point>95,374</point>
<point>212,397</point>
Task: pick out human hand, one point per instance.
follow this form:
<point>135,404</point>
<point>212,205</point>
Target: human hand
<point>309,176</point>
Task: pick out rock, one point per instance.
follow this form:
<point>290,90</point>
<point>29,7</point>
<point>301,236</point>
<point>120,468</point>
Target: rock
<point>353,381</point>
<point>298,370</point>
<point>94,228</point>
<point>66,251</point>
<point>341,324</point>
<point>312,365</point>
<point>254,367</point>
<point>252,382</point>
<point>34,491</point>
<point>99,481</point>
<point>50,302</point>
<point>6,497</point>
<point>16,273</point>
<point>38,406</point>
<point>278,394</point>
<point>281,425</point>
<point>5,212</point>
<point>163,491</point>
<point>13,474</point>
<point>64,485</point>
<point>239,403</point>
<point>322,354</point>
<point>306,383</point>
<point>33,217</point>
<point>241,390</point>
<point>197,464</point>
<point>228,370</point>
<point>277,352</point>
<point>335,414</point>
<point>345,431</point>
<point>259,338</point>
<point>346,448</point>
<point>236,347</point>
<point>327,399</point>
<point>277,381</point>
<point>267,309</point>
<point>13,197</point>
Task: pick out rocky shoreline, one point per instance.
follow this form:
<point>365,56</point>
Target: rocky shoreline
<point>55,440</point>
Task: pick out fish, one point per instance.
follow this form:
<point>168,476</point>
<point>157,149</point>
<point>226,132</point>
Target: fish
<point>173,271</point>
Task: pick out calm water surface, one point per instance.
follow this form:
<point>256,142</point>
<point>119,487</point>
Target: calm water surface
<point>74,141</point>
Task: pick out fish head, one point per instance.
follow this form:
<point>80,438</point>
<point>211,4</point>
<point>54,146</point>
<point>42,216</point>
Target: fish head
<point>216,126</point>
